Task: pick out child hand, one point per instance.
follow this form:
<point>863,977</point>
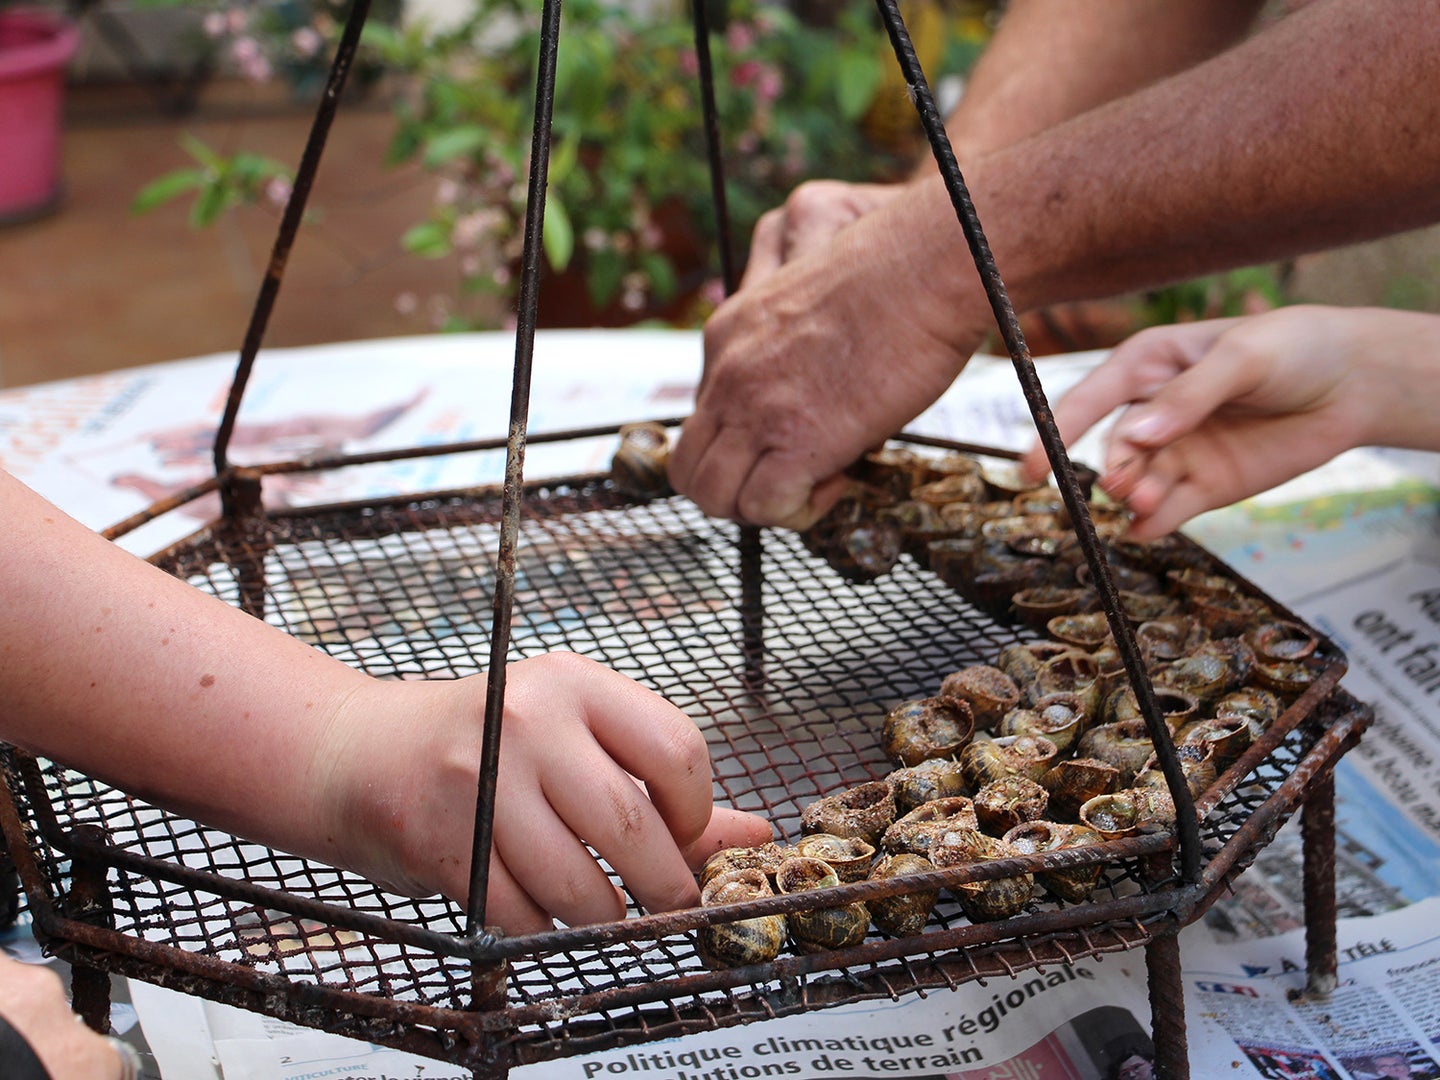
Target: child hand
<point>588,757</point>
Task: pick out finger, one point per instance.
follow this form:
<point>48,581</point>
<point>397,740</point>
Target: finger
<point>766,247</point>
<point>507,905</point>
<point>696,433</point>
<point>1227,373</point>
<point>728,828</point>
<point>541,841</point>
<point>718,470</point>
<point>782,489</point>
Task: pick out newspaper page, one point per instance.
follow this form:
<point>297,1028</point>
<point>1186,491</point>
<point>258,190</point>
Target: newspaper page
<point>1352,548</point>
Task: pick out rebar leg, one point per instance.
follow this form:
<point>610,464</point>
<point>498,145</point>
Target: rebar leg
<point>1317,830</point>
<point>752,608</point>
<point>89,902</point>
<point>1167,1007</point>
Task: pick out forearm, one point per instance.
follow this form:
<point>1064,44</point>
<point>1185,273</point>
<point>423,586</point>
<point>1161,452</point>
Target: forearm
<point>1293,141</point>
<point>118,669</point>
<point>1051,60</point>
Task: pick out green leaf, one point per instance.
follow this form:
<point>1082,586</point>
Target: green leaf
<point>859,79</point>
<point>559,238</point>
<point>202,153</point>
<point>429,240</point>
<point>456,143</point>
<point>209,205</point>
<point>606,270</point>
<point>162,189</point>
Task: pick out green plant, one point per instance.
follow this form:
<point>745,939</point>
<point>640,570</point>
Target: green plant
<point>628,173</point>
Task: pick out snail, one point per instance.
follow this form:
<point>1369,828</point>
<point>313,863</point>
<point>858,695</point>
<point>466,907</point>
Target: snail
<point>1002,804</point>
<point>864,811</point>
<point>933,727</point>
<point>903,914</point>
<point>991,899</point>
<point>1074,883</point>
<point>745,941</point>
<point>934,778</point>
<point>918,831</point>
<point>987,690</point>
<point>639,466</point>
<point>822,928</point>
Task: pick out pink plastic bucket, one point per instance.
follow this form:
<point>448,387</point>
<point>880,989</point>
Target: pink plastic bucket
<point>35,46</point>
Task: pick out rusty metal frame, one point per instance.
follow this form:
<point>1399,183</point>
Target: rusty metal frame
<point>486,1037</point>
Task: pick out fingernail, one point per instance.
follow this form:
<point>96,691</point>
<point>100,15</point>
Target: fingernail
<point>1142,427</point>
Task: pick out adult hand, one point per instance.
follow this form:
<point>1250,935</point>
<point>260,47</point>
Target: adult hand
<point>588,757</point>
<point>32,1001</point>
<point>807,222</point>
<point>816,360</point>
<point>1221,410</point>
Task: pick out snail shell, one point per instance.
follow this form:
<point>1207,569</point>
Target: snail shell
<point>1073,782</point>
<point>918,831</point>
<point>1260,707</point>
<point>935,778</point>
<point>1197,584</point>
<point>822,928</point>
<point>1169,637</point>
<point>904,914</point>
<point>743,942</point>
<point>934,727</point>
<point>952,488</point>
<point>1125,744</point>
<point>1282,640</point>
<point>1288,678</point>
<point>1074,883</point>
<point>1142,607</point>
<point>1036,607</point>
<point>1197,763</point>
<point>1129,812</point>
<point>1177,707</point>
<point>1060,717</point>
<point>848,856</point>
<point>983,901</point>
<point>639,467</point>
<point>1083,631</point>
<point>1211,670</point>
<point>987,690</point>
<point>1005,803</point>
<point>766,858</point>
<point>1071,672</point>
<point>986,760</point>
<point>865,810</point>
<point>1228,614</point>
<point>1022,662</point>
<point>1228,737</point>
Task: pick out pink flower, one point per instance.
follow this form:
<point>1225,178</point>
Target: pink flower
<point>407,303</point>
<point>744,73</point>
<point>769,83</point>
<point>277,191</point>
<point>739,37</point>
<point>215,24</point>
<point>689,62</point>
<point>306,41</point>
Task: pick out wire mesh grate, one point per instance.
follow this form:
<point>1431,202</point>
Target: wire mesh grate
<point>403,590</point>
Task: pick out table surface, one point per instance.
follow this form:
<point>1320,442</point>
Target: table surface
<point>1353,538</point>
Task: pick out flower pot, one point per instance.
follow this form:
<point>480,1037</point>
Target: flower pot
<point>35,46</point>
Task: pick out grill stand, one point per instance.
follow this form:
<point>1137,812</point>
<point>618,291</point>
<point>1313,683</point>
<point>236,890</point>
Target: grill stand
<point>81,929</point>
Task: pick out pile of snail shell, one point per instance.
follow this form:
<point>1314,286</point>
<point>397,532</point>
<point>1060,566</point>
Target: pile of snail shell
<point>1044,749</point>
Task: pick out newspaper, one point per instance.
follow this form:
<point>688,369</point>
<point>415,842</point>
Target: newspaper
<point>1353,548</point>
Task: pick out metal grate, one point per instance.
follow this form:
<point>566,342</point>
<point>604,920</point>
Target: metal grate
<point>653,590</point>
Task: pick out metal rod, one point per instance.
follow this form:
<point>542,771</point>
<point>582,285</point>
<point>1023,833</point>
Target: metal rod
<point>514,465</point>
<point>289,225</point>
<point>714,151</point>
<point>1317,829</point>
<point>1187,827</point>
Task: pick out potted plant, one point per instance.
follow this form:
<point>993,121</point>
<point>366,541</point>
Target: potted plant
<point>36,44</point>
<point>628,227</point>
